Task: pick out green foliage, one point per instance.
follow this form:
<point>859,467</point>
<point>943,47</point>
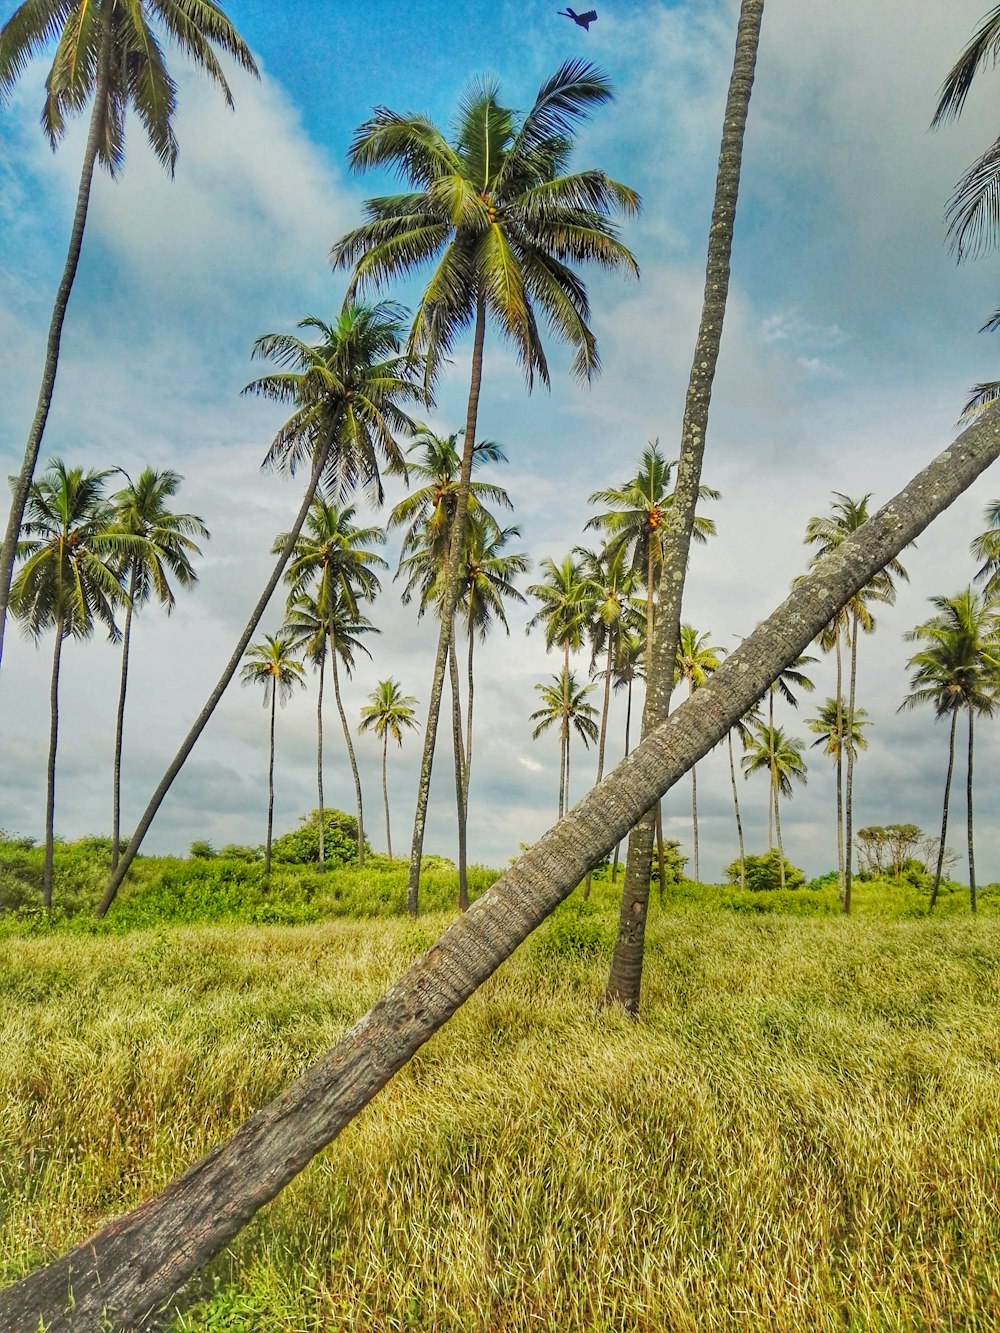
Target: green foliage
<point>236,851</point>
<point>576,929</point>
<point>673,863</point>
<point>764,873</point>
<point>202,850</point>
<point>301,846</point>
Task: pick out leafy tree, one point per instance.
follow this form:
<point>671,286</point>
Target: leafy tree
<point>780,756</point>
<point>744,731</point>
<point>696,661</point>
<point>564,702</point>
<point>347,392</point>
<point>503,222</point>
<point>107,53</point>
<point>272,665</point>
<point>337,831</point>
<point>67,582</point>
<point>389,713</point>
<point>162,549</point>
<point>768,871</point>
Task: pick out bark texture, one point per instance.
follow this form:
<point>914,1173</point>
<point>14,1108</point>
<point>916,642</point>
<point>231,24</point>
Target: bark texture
<point>136,1262</point>
<point>944,811</point>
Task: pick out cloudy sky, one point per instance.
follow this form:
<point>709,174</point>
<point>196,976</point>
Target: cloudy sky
<point>850,342</point>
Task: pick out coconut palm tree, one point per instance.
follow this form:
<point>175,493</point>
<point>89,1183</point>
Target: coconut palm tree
<point>827,533</point>
<point>272,665</point>
<point>346,391</point>
<point>69,579</point>
<point>625,671</point>
<point>163,547</point>
<point>564,701</point>
<point>771,751</point>
<point>958,670</point>
<point>107,53</point>
<point>696,661</point>
<point>986,549</point>
<point>390,713</point>
<point>503,222</point>
<point>744,730</point>
<point>829,726</point>
<point>307,626</point>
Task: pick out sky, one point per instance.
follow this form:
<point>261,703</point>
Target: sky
<point>850,343</point>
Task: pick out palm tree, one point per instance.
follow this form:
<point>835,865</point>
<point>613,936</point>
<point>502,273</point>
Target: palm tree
<point>390,713</point>
<point>959,669</point>
<point>827,533</point>
<point>744,729</point>
<point>346,391</point>
<point>625,671</point>
<point>829,726</point>
<point>106,51</point>
<point>307,626</point>
<point>986,549</point>
<point>503,222</point>
<point>564,701</point>
<point>625,973</point>
<point>163,547</point>
<point>696,661</point>
<point>272,665</point>
<point>780,756</point>
<point>69,579</point>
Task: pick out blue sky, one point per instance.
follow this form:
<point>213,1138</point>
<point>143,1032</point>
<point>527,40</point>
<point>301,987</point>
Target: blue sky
<point>850,342</point>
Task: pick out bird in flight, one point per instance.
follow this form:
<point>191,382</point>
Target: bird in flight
<point>583,20</point>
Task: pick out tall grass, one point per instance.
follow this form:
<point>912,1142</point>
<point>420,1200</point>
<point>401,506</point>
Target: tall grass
<point>802,1133</point>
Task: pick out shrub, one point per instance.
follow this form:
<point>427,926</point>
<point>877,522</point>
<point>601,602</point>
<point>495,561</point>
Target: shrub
<point>576,930</point>
<point>202,850</point>
<point>234,851</point>
<point>301,846</point>
<point>764,872</point>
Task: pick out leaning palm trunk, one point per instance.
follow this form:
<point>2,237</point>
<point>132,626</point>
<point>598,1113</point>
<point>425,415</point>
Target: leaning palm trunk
<point>849,776</point>
<point>352,758</point>
<point>625,974</point>
<point>319,765</point>
<point>201,721</point>
<point>968,800</point>
<point>944,813</point>
<point>456,731</point>
<point>22,483</point>
<point>50,784</point>
<point>127,1269</point>
<point>116,798</point>
<point>449,602</point>
<point>736,807</point>
<point>270,784</point>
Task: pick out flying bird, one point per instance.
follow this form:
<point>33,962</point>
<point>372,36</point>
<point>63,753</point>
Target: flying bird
<point>583,20</point>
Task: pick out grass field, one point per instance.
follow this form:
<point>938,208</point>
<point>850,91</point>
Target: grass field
<point>803,1133</point>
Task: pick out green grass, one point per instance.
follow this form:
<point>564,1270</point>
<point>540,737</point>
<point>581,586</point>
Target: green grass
<point>802,1133</point>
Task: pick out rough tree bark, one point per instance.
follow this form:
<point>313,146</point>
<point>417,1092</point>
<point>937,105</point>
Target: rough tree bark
<point>137,1261</point>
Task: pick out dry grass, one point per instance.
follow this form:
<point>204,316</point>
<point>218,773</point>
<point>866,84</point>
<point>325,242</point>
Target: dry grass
<point>803,1133</point>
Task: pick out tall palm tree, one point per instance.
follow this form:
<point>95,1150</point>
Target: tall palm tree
<point>626,669</point>
<point>107,52</point>
<point>503,222</point>
<point>346,391</point>
<point>625,973</point>
<point>696,661</point>
<point>307,625</point>
<point>390,713</point>
<point>272,665</point>
<point>771,751</point>
<point>69,580</point>
<point>958,670</point>
<point>827,533</point>
<point>564,702</point>
<point>744,729</point>
<point>829,726</point>
<point>163,547</point>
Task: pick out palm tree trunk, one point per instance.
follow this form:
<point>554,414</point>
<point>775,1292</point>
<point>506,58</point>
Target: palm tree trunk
<point>840,768</point>
<point>22,483</point>
<point>944,813</point>
<point>736,807</point>
<point>134,1263</point>
<point>694,819</point>
<point>116,823</point>
<point>626,967</point>
<point>456,731</point>
<point>628,722</point>
<point>385,792</point>
<point>470,686</point>
<point>270,784</point>
<point>319,765</point>
<point>968,801</point>
<point>781,850</point>
<point>604,732</point>
<point>201,721</point>
<point>350,754</point>
<point>50,787</point>
<point>449,602</point>
<point>849,776</point>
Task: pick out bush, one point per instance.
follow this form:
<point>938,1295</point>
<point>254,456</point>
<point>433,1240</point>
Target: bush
<point>301,846</point>
<point>576,930</point>
<point>234,851</point>
<point>202,850</point>
<point>764,872</point>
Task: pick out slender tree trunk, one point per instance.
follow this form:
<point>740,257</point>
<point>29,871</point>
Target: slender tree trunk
<point>944,814</point>
<point>270,784</point>
<point>604,733</point>
<point>841,881</point>
<point>777,829</point>
<point>736,807</point>
<point>319,765</point>
<point>470,687</point>
<point>628,751</point>
<point>968,806</point>
<point>116,821</point>
<point>849,776</point>
<point>456,731</point>
<point>201,721</point>
<point>135,1263</point>
<point>50,786</point>
<point>22,483</point>
<point>626,967</point>
<point>385,791</point>
<point>350,754</point>
<point>449,602</point>
<point>694,808</point>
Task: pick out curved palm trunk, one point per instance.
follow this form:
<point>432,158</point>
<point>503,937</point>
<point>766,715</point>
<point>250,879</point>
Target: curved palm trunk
<point>456,731</point>
<point>849,776</point>
<point>202,720</point>
<point>50,785</point>
<point>350,754</point>
<point>135,1262</point>
<point>626,965</point>
<point>944,814</point>
<point>319,765</point>
<point>968,800</point>
<point>22,483</point>
<point>116,822</point>
<point>449,602</point>
<point>270,784</point>
<point>736,807</point>
<point>840,769</point>
<point>385,792</point>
